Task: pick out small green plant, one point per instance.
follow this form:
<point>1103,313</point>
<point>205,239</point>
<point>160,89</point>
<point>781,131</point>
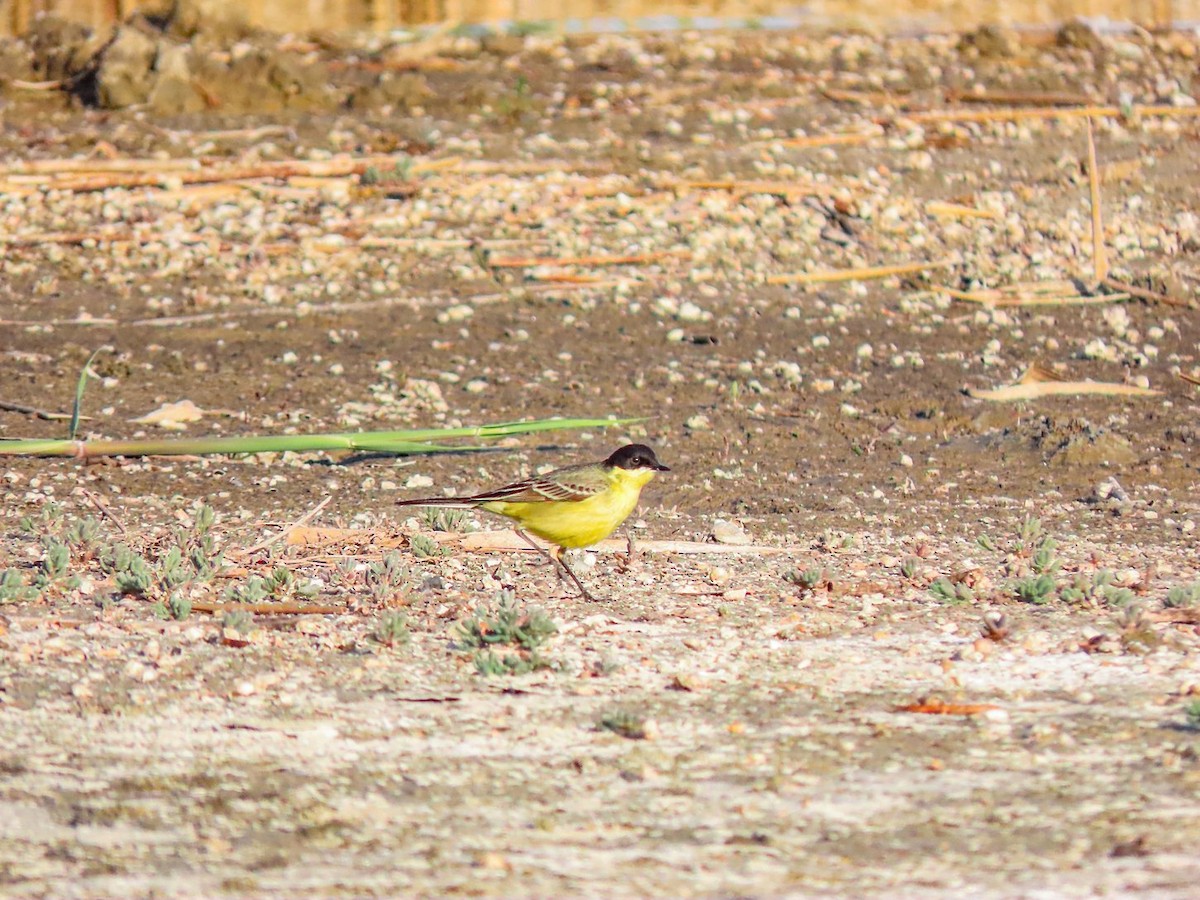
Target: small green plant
<point>424,547</point>
<point>237,620</point>
<point>489,663</point>
<point>950,592</point>
<point>205,563</point>
<point>46,519</point>
<point>116,558</point>
<point>507,626</point>
<point>1035,588</point>
<point>204,519</point>
<point>345,572</point>
<point>135,576</point>
<point>1183,596</point>
<point>401,172</point>
<point>13,588</point>
<point>910,567</point>
<point>56,561</point>
<point>628,723</point>
<point>530,27</point>
<point>1044,561</point>
<point>391,629</point>
<point>1192,713</point>
<point>984,542</point>
<point>439,518</point>
<point>172,569</point>
<point>806,579</point>
<point>517,102</point>
<point>280,581</point>
<point>179,606</point>
<point>1095,592</point>
<point>83,533</point>
<point>159,610</point>
<point>1029,534</point>
<point>383,578</point>
<point>1137,632</point>
<point>255,590</point>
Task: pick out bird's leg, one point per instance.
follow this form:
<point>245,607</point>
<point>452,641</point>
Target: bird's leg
<point>542,550</point>
<point>555,557</point>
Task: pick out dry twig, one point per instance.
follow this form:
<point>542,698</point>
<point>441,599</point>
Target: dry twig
<point>1038,381</point>
<point>1099,256</point>
<point>866,274</point>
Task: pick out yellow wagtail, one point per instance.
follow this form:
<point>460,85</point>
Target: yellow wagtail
<point>572,507</point>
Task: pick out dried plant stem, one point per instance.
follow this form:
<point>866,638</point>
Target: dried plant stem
<point>945,210</point>
<point>831,140</point>
<point>1000,298</point>
<point>872,272</point>
<point>519,262</point>
<point>280,535</point>
<point>779,188</point>
<point>103,175</point>
<point>1020,98</point>
<point>270,609</point>
<point>1144,293</point>
<point>1099,256</point>
<point>1044,112</point>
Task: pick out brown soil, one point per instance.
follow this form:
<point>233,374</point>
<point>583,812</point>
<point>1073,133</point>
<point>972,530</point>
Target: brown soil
<point>301,755</point>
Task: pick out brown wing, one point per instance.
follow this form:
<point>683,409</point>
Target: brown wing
<point>571,484</point>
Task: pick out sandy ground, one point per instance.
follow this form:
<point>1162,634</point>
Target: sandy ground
<point>856,690</point>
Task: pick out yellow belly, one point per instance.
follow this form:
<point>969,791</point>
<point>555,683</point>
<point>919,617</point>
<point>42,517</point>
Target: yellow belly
<point>579,523</point>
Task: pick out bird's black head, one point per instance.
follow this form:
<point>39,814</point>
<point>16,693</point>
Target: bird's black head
<point>635,456</point>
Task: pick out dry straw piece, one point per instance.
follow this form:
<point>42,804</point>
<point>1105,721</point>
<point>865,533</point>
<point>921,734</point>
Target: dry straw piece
<point>1038,381</point>
<point>1099,256</point>
<point>865,274</point>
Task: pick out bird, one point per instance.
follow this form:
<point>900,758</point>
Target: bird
<point>572,507</point>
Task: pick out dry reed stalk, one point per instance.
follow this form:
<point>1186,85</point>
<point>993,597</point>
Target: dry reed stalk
<point>778,188</point>
<point>943,210</point>
<point>270,609</point>
<point>1008,115</point>
<point>632,259</point>
<point>831,140</point>
<point>866,98</point>
<point>204,193</point>
<point>1037,112</point>
<point>1038,381</point>
<point>566,278</point>
<point>1099,255</point>
<point>941,708</point>
<point>603,284</point>
<point>1020,98</point>
<point>65,237</point>
<point>295,168</point>
<point>283,533</point>
<point>866,274</point>
<point>996,298</point>
<point>1145,293</point>
<point>75,166</point>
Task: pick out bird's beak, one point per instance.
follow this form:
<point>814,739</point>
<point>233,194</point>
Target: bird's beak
<point>659,467</point>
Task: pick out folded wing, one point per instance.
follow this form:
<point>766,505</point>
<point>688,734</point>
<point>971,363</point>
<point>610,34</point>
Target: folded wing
<point>565,485</point>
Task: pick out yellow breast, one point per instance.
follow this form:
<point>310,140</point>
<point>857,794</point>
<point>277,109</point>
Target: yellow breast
<point>580,523</point>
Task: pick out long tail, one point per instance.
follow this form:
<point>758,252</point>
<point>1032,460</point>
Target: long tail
<point>444,502</point>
